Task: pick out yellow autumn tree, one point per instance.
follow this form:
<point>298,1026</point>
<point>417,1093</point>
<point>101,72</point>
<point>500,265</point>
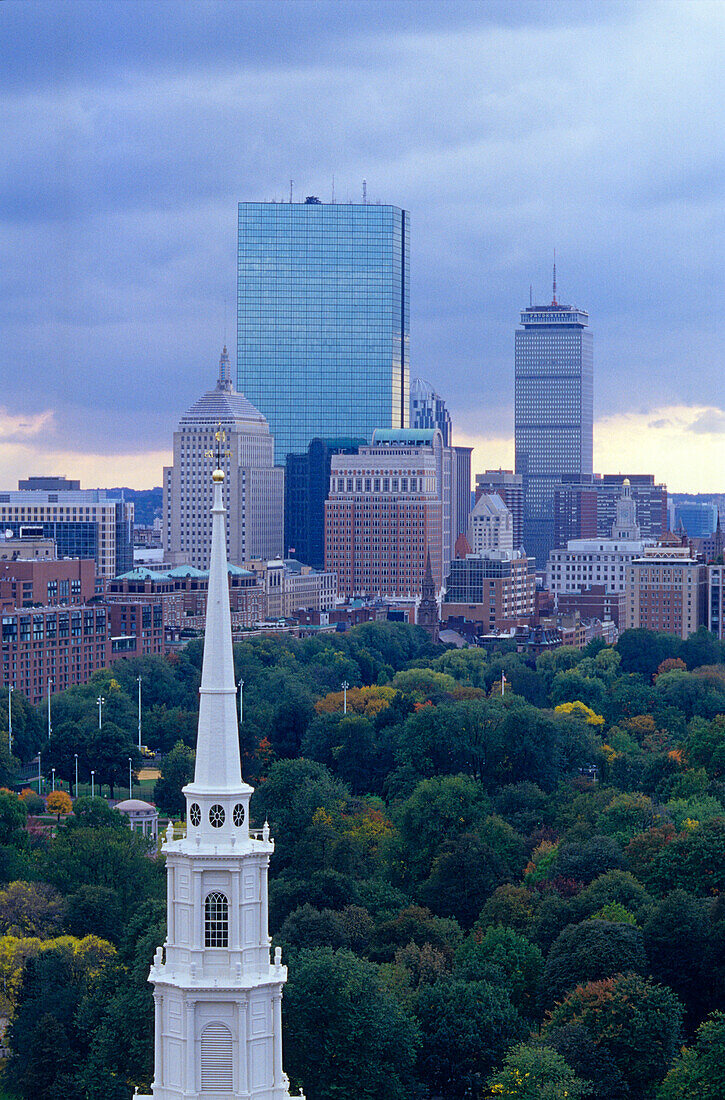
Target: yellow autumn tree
<point>367,701</point>
<point>577,709</point>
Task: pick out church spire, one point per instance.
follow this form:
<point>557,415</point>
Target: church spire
<point>218,765</point>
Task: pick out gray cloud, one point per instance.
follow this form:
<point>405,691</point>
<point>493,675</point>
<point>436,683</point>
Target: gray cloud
<point>131,131</point>
<point>710,422</point>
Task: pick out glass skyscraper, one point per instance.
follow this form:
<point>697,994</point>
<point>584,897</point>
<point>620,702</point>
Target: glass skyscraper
<point>323,318</point>
<point>553,413</point>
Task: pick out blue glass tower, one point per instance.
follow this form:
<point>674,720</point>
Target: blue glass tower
<point>323,319</point>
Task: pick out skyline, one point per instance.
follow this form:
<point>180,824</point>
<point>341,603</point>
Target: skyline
<point>131,138</point>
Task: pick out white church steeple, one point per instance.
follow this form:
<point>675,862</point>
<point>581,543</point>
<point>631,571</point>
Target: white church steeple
<point>217,994</point>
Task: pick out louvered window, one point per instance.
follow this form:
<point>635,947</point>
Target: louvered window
<point>216,1059</point>
<point>216,920</point>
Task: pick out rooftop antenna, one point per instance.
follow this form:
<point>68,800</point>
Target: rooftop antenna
<point>365,192</point>
<point>333,190</point>
<point>291,185</point>
<point>531,295</point>
<point>554,301</point>
<point>225,320</point>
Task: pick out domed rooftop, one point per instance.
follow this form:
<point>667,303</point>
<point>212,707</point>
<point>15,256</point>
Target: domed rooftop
<point>224,404</point>
<point>131,804</point>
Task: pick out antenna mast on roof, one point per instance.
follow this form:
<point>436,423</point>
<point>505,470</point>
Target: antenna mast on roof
<point>554,301</point>
<point>333,190</point>
<point>365,192</point>
<point>531,295</point>
<point>291,185</point>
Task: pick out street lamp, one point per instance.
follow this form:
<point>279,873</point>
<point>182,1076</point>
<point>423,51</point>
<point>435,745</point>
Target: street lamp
<point>138,679</point>
<point>345,686</point>
<point>93,784</point>
<point>10,719</point>
<point>241,701</point>
<point>130,779</point>
<point>50,724</point>
<point>100,700</point>
<point>38,773</point>
<point>76,788</point>
<point>53,771</point>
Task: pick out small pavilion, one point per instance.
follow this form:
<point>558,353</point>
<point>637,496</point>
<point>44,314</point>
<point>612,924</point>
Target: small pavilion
<point>141,815</point>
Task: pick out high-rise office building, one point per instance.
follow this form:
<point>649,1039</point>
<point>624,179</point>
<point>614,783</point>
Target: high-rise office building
<point>323,318</point>
<point>553,412</point>
<point>428,409</point>
<point>650,500</point>
<point>224,427</point>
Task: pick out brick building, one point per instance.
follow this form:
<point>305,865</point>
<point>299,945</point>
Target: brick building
<point>63,645</point>
<point>181,593</point>
<point>43,581</point>
<point>388,506</point>
<point>667,590</point>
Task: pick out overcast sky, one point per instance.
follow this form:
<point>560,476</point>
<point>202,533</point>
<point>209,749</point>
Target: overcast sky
<point>508,129</point>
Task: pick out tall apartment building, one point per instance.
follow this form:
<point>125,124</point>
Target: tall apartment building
<point>667,591</point>
<point>716,600</point>
<point>84,523</point>
<point>51,648</point>
<point>490,525</point>
<point>223,425</point>
<point>428,410</point>
<point>307,483</point>
<point>324,318</point>
<point>553,420</point>
<point>510,487</point>
<point>386,509</point>
<point>491,591</point>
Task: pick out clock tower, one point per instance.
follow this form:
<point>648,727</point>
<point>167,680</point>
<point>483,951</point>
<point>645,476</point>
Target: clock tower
<point>217,993</point>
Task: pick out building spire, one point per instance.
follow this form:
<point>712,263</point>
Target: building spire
<point>218,765</point>
<point>225,372</point>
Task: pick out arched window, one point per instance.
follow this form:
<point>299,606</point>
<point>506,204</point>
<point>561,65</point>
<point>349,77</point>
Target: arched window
<point>216,920</point>
<point>217,1074</point>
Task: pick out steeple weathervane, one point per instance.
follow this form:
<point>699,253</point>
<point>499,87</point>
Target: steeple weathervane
<point>220,438</point>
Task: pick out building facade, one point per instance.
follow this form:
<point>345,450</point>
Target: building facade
<point>182,594</point>
<point>667,591</point>
<point>428,410</point>
<point>716,600</point>
<point>290,585</point>
<point>490,525</point>
<point>223,425</point>
<point>84,523</point>
<point>25,582</point>
<point>324,318</point>
<point>388,506</point>
<point>492,591</point>
<point>510,487</point>
<point>650,499</point>
<point>697,519</point>
<point>48,649</point>
<point>460,491</point>
<point>575,511</point>
<point>307,483</point>
<point>553,426</point>
<point>217,990</point>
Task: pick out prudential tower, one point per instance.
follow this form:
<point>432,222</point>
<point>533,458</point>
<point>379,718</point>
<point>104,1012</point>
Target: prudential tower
<point>217,994</point>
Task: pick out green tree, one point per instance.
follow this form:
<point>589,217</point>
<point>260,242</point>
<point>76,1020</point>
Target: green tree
<point>699,1072</point>
<point>676,938</point>
<point>466,1028</point>
<point>503,957</point>
<point>533,1071</point>
<point>440,809</point>
<point>176,771</point>
<point>13,815</point>
<point>30,909</point>
<point>365,1026</point>
<point>591,950</point>
<point>621,1033</point>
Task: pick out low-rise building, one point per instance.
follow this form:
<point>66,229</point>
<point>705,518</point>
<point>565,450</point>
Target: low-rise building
<point>182,590</point>
<point>39,581</point>
<point>289,585</point>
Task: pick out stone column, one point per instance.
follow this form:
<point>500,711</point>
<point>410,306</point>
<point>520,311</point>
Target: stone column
<point>277,1037</point>
<point>264,937</point>
<point>197,932</point>
<point>190,1060</point>
<point>158,1040</point>
<point>235,939</point>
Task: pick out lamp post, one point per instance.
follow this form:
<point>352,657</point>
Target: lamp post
<point>10,719</point>
<point>241,701</point>
<point>100,700</point>
<point>76,787</point>
<point>38,773</point>
<point>53,771</point>
<point>345,686</point>
<point>50,724</point>
<point>138,679</point>
<point>130,779</point>
<point>93,784</point>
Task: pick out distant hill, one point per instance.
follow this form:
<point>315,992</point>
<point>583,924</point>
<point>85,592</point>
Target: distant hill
<point>147,502</point>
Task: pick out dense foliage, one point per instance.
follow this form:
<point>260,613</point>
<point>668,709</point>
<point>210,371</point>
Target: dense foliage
<point>477,895</point>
